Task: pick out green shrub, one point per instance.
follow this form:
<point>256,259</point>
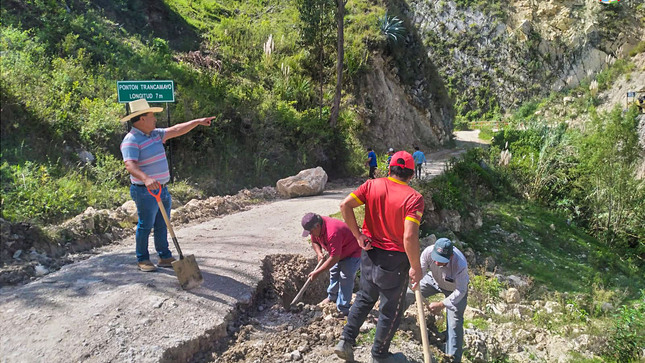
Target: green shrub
<point>448,192</point>
<point>484,290</point>
<point>486,133</point>
<point>466,182</point>
<point>609,75</point>
<point>627,338</point>
<point>41,193</point>
<point>639,48</point>
<point>461,124</point>
<point>587,175</point>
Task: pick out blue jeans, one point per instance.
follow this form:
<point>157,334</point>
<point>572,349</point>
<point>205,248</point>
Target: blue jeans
<point>150,217</point>
<point>341,282</point>
<point>454,320</point>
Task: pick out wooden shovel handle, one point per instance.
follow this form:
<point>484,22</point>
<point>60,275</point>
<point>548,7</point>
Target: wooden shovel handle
<point>422,325</point>
<point>167,220</point>
<point>304,287</point>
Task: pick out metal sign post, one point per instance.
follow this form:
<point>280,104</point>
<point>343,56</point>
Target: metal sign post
<point>172,175</point>
<point>151,91</point>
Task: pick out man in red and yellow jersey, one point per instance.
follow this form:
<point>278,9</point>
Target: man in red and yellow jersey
<point>390,257</point>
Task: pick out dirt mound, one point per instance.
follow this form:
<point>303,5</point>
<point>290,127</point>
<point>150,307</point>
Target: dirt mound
<point>287,274</point>
<point>28,252</point>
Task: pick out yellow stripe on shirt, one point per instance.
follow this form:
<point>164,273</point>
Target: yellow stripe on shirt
<point>408,218</point>
<point>397,181</point>
<point>358,200</point>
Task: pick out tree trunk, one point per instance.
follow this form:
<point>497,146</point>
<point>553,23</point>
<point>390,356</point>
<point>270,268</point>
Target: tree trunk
<point>340,19</point>
<point>322,51</point>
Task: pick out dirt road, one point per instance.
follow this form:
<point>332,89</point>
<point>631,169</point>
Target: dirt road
<point>103,310</point>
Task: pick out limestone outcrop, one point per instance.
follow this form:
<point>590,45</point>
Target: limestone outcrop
<point>493,61</point>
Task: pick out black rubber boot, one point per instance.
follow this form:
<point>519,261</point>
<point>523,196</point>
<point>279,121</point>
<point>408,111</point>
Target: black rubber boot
<point>344,351</point>
<point>392,358</point>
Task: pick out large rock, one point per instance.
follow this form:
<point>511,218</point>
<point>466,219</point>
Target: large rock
<point>451,219</point>
<point>513,296</point>
<point>129,210</point>
<point>307,182</point>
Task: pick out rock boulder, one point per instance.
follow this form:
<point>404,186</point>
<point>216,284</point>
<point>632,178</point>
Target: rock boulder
<point>129,211</point>
<point>307,182</point>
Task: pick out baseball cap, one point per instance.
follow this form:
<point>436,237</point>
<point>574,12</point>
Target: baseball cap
<point>390,150</point>
<point>308,222</point>
<point>442,250</point>
<point>408,161</point>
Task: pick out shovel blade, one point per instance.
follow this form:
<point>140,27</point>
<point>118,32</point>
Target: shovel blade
<point>188,272</point>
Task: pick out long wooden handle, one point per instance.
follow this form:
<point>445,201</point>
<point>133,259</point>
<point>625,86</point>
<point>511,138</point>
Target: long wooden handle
<point>422,326</point>
<point>302,291</point>
<point>172,232</point>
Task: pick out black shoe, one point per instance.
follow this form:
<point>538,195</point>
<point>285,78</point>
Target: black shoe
<point>392,358</point>
<point>344,351</point>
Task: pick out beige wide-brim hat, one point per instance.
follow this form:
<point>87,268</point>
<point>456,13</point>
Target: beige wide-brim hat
<point>139,107</point>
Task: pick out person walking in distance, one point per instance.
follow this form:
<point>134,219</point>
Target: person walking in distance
<point>419,159</point>
<point>145,160</point>
<point>445,271</point>
<point>390,257</point>
<point>371,162</point>
<point>334,236</point>
<point>390,152</point>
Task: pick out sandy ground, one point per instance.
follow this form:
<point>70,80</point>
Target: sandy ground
<point>104,310</point>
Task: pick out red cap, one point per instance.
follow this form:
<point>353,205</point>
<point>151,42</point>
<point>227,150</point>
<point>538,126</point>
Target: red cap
<point>408,160</point>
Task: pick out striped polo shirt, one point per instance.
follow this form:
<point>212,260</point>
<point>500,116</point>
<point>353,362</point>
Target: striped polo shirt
<point>148,152</point>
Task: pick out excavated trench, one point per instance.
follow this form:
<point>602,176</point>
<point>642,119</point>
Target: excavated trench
<point>269,314</point>
<point>270,330</point>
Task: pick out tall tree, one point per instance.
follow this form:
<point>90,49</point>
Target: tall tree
<point>340,54</point>
<point>317,23</point>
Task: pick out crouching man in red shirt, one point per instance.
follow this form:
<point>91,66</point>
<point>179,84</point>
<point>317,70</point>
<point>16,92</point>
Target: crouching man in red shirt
<point>334,237</point>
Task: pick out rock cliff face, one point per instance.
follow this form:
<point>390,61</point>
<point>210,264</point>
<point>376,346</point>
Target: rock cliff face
<point>396,115</point>
<point>499,54</point>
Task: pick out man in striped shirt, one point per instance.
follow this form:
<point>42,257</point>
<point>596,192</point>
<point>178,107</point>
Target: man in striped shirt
<point>145,160</point>
<point>390,257</point>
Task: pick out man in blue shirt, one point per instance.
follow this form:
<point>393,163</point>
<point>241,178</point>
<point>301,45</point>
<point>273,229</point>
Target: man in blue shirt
<point>371,161</point>
<point>419,158</point>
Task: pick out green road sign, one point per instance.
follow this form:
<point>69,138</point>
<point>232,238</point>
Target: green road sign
<point>151,91</point>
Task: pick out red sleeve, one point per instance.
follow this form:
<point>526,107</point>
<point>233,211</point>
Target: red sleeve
<point>414,209</point>
<point>361,193</point>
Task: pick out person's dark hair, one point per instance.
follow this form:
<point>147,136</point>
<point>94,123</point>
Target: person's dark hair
<point>416,148</point>
<point>369,149</point>
<point>401,172</point>
<point>136,118</point>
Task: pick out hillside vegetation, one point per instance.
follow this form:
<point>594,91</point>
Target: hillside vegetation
<point>566,212</point>
<point>256,65</point>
